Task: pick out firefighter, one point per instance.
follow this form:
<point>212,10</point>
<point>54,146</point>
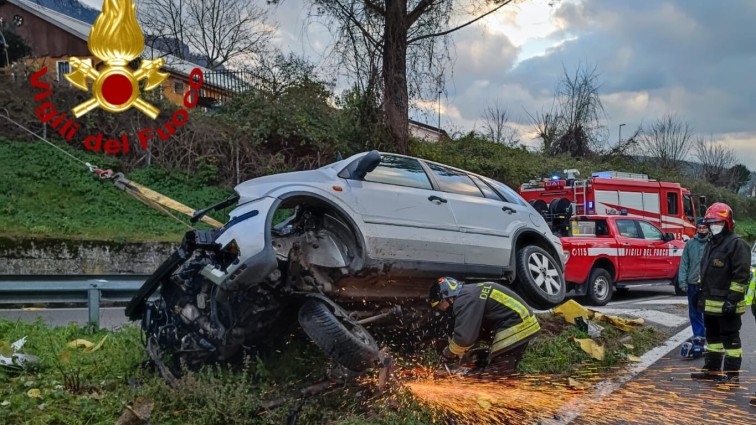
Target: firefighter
<point>489,307</point>
<point>688,273</point>
<point>725,267</point>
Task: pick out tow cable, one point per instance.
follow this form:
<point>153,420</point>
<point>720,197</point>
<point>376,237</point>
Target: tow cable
<point>143,194</point>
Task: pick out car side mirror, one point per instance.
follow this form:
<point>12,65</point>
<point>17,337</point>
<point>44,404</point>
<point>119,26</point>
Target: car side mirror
<point>367,164</point>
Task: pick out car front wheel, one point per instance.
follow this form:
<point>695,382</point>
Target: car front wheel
<point>539,278</point>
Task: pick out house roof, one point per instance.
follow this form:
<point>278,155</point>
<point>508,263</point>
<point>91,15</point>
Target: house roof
<point>81,29</point>
<point>427,127</point>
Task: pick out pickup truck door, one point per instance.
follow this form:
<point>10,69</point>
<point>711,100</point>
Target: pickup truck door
<point>631,248</point>
<point>659,261</point>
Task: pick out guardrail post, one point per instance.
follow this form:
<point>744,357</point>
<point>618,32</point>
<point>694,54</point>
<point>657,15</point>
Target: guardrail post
<point>93,304</point>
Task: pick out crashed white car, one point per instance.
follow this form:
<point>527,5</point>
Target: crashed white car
<point>344,245</point>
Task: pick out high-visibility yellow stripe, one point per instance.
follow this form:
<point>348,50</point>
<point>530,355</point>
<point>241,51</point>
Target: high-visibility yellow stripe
<point>734,352</point>
<point>712,306</point>
<point>741,307</point>
<point>510,302</point>
<point>525,332</point>
<point>751,290</point>
<point>457,349</point>
<point>506,333</point>
<point>738,287</point>
<point>715,348</point>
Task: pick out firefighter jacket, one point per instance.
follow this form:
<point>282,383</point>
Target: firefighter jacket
<point>494,307</point>
<point>725,271</point>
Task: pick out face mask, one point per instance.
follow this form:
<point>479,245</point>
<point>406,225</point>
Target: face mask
<point>716,228</point>
<point>703,235</point>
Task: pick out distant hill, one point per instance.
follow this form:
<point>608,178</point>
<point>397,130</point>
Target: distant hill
<point>72,8</point>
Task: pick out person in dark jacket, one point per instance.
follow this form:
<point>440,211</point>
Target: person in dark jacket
<point>489,307</point>
<point>687,277</point>
<point>725,270</point>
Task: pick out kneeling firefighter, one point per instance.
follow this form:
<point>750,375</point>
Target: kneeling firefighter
<point>490,307</point>
<point>725,270</point>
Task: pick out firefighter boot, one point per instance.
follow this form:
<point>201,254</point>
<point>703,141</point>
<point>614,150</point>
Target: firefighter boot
<point>731,369</point>
<point>712,366</point>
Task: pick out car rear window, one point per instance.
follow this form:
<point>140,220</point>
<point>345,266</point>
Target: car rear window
<point>589,228</point>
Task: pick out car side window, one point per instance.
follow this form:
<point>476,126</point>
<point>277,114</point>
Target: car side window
<point>650,231</point>
<point>486,189</point>
<point>454,181</point>
<point>400,171</point>
<point>506,192</point>
<point>628,229</point>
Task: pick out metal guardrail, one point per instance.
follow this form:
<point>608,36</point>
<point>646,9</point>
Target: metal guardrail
<point>18,289</point>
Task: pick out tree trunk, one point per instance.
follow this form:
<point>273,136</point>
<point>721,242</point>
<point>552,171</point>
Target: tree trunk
<point>396,98</point>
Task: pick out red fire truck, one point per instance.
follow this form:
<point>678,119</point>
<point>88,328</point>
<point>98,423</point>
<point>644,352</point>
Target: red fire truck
<point>668,205</point>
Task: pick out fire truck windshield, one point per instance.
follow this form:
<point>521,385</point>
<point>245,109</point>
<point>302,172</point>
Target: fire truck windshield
<point>688,207</point>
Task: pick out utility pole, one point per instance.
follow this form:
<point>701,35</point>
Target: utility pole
<point>619,138</point>
<point>439,110</point>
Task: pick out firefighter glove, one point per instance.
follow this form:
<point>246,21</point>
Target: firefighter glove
<point>729,308</point>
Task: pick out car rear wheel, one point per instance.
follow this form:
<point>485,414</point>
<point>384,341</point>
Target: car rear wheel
<point>343,340</point>
<point>599,287</point>
<point>539,278</point>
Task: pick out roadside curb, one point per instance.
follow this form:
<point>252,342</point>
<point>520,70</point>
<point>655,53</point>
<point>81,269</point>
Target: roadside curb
<point>604,388</point>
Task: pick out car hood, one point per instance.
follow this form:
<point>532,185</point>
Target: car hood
<point>271,185</point>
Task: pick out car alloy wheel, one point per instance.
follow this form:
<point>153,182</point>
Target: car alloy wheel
<point>544,273</point>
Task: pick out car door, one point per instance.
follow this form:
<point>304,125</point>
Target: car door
<point>659,259</point>
<point>485,220</point>
<point>631,248</point>
<point>405,219</point>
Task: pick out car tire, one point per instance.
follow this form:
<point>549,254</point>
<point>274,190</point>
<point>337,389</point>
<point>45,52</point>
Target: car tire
<point>537,274</point>
<point>599,287</point>
<point>344,341</point>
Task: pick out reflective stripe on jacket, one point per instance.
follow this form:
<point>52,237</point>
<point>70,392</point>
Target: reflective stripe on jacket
<point>725,272</point>
<point>492,306</point>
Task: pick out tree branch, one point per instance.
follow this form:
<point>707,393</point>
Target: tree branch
<point>418,11</point>
<point>438,34</point>
<point>375,7</point>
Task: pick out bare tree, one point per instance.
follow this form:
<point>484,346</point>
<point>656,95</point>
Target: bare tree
<point>496,126</point>
<point>403,45</point>
<point>218,31</point>
<point>668,140</point>
<point>716,159</point>
<point>545,125</point>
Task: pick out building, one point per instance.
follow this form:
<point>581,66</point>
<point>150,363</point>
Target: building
<point>426,132</point>
<point>54,37</point>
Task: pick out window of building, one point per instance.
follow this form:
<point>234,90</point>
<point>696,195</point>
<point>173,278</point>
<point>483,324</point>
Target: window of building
<point>178,87</point>
<point>454,181</point>
<point>63,68</point>
<point>400,171</point>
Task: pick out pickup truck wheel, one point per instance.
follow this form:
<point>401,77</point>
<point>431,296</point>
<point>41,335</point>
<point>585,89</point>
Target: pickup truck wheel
<point>599,287</point>
<point>345,341</point>
<point>539,278</point>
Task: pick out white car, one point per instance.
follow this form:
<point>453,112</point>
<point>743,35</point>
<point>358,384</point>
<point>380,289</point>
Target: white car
<point>367,233</point>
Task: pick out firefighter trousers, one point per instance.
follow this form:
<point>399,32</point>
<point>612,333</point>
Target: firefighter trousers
<point>723,335</point>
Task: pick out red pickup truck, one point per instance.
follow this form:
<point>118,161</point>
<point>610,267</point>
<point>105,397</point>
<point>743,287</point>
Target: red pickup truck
<point>618,251</point>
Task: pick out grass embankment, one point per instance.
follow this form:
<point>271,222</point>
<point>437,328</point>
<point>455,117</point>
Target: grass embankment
<point>93,388</point>
<point>45,194</point>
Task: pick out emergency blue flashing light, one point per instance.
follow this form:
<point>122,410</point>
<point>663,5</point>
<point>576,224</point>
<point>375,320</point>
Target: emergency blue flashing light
<point>590,205</point>
<point>623,211</point>
<point>555,177</point>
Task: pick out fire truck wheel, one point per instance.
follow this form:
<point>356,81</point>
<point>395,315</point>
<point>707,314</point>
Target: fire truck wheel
<point>599,287</point>
<point>539,278</point>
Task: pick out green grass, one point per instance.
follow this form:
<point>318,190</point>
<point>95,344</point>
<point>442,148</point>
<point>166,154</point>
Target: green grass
<point>94,388</point>
<point>46,194</point>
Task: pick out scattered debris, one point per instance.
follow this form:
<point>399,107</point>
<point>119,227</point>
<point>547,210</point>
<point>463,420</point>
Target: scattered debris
<point>11,358</point>
<point>591,347</point>
<point>34,393</point>
<point>571,310</point>
<point>138,414</point>
<point>594,329</point>
<point>575,384</point>
<point>88,346</point>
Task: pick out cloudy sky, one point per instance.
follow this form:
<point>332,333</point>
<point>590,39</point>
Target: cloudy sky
<point>691,57</point>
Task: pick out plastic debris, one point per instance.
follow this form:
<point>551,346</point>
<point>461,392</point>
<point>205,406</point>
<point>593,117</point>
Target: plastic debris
<point>592,348</point>
<point>570,310</point>
<point>594,329</point>
<point>11,358</point>
<point>88,346</point>
<point>574,383</point>
<point>34,393</point>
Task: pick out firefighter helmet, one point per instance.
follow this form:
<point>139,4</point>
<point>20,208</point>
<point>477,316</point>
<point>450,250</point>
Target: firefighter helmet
<point>446,287</point>
<point>720,212</point>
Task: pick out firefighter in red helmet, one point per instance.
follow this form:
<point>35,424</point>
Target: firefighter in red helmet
<point>725,270</point>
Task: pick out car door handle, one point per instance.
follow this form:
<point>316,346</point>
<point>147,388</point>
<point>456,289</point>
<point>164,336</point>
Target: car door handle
<point>626,244</point>
<point>437,198</point>
<point>508,210</point>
